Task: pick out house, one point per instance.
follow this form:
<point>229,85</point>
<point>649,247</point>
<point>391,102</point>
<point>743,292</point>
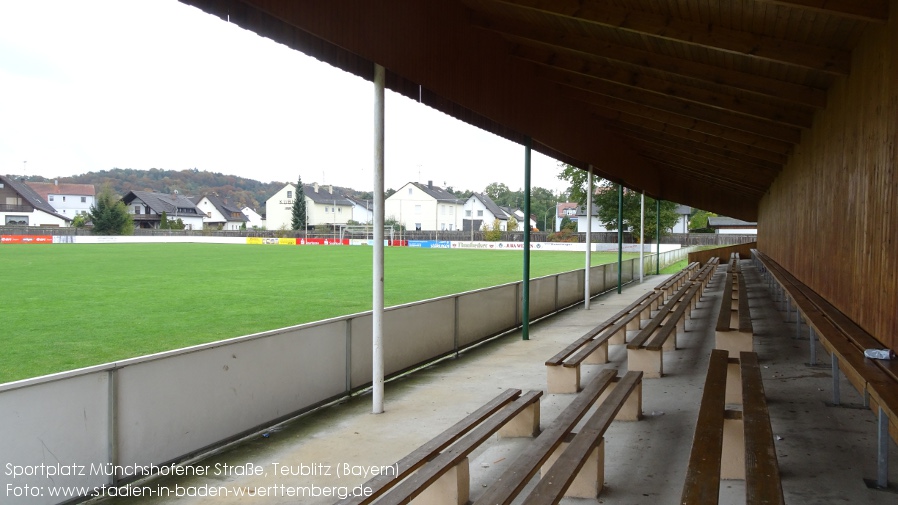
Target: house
<point>362,210</point>
<point>519,217</point>
<point>565,210</point>
<point>219,214</point>
<point>595,226</point>
<point>682,225</point>
<point>20,205</point>
<point>324,206</point>
<point>728,225</point>
<point>253,218</point>
<point>146,208</point>
<point>68,199</point>
<point>485,212</point>
<point>424,207</point>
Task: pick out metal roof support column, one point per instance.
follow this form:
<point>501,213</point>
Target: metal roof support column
<point>588,240</point>
<point>377,312</point>
<point>620,235</point>
<point>641,237</point>
<point>658,237</point>
<point>525,298</point>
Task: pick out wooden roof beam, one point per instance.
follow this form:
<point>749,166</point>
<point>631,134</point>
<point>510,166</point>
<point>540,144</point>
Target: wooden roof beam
<point>742,177</point>
<point>627,112</point>
<point>596,48</point>
<point>588,91</point>
<point>822,59</point>
<point>701,142</point>
<point>709,154</point>
<point>668,169</point>
<point>564,63</point>
<point>872,11</point>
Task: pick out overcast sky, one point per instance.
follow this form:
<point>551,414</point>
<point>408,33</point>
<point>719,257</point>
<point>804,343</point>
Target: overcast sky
<point>92,85</point>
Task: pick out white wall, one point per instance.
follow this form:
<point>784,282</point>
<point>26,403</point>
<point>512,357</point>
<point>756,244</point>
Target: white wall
<point>279,208</point>
<point>70,205</point>
<point>36,218</point>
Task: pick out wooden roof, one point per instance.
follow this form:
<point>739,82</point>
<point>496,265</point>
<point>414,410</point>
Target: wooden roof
<point>696,101</point>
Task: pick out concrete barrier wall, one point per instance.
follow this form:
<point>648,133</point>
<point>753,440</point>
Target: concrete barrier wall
<point>166,407</point>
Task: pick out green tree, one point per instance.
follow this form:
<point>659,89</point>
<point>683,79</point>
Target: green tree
<point>78,221</point>
<point>492,233</point>
<point>512,224</point>
<point>163,222</point>
<point>109,214</point>
<point>606,200</point>
<point>299,207</point>
<point>698,223</point>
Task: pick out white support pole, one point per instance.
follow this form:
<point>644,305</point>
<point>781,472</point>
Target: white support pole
<point>641,236</point>
<point>586,295</point>
<point>377,379</point>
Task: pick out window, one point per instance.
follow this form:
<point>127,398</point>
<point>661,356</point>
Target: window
<point>480,213</point>
<point>467,213</point>
<point>417,209</point>
<point>83,199</point>
<point>63,199</point>
<point>137,209</point>
<point>442,226</point>
<point>443,210</point>
<point>50,198</point>
<point>209,214</point>
<point>289,194</point>
<point>23,220</point>
<point>409,190</point>
<point>340,210</point>
<point>417,226</point>
<point>327,209</point>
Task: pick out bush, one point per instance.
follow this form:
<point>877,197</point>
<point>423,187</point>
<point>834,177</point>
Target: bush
<point>565,235</point>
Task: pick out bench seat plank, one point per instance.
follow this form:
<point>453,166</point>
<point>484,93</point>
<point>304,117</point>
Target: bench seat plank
<point>762,478</point>
<point>555,482</point>
<point>627,313</point>
<point>644,334</point>
<point>656,343</point>
<point>703,474</point>
<point>515,477</point>
<point>726,303</point>
<point>744,313</point>
<point>381,483</point>
<point>406,490</point>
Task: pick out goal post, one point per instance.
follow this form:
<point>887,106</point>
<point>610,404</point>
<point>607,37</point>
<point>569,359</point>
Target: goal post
<point>357,231</point>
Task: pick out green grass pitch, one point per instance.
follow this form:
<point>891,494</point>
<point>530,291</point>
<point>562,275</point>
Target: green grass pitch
<point>71,306</point>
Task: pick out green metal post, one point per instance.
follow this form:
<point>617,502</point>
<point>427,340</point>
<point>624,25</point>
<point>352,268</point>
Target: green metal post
<point>525,308</point>
<point>658,237</point>
<point>620,235</point>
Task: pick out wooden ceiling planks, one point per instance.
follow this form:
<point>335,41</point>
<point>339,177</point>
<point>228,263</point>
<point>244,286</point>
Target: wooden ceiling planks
<point>700,88</point>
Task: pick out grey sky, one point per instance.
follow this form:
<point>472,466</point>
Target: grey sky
<point>92,85</point>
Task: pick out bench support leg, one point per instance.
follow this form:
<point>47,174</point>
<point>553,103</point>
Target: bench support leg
<point>562,379</point>
<point>835,364</point>
<point>619,338</point>
<point>797,324</point>
<point>599,356</point>
<point>734,342</point>
<point>734,382</point>
<point>590,479</point>
<point>452,488</point>
<point>732,462</point>
<point>882,453</point>
<point>813,338</point>
<point>671,343</point>
<point>525,424</point>
<point>631,409</point>
<point>650,363</point>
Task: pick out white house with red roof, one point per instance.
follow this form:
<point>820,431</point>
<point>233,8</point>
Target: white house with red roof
<point>68,199</point>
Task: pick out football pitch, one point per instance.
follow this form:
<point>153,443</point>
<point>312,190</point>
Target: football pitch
<point>71,306</point>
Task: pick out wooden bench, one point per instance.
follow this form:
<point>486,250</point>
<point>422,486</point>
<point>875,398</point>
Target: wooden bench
<point>876,380</point>
<point>734,331</point>
<point>733,444</point>
<point>439,468</point>
<point>563,369</point>
<point>646,351</point>
<point>676,281</point>
<point>571,463</point>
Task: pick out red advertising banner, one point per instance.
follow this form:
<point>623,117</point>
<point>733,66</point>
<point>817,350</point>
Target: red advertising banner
<point>26,239</point>
<point>322,241</point>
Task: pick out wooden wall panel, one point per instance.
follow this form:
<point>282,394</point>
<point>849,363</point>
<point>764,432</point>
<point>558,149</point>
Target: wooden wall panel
<point>831,217</point>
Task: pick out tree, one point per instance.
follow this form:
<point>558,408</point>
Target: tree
<point>492,233</point>
<point>109,214</point>
<point>698,223</point>
<point>606,200</point>
<point>299,207</point>
<point>78,221</point>
<point>163,222</point>
<point>512,224</point>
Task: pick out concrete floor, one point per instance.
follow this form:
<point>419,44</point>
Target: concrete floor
<point>824,452</point>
